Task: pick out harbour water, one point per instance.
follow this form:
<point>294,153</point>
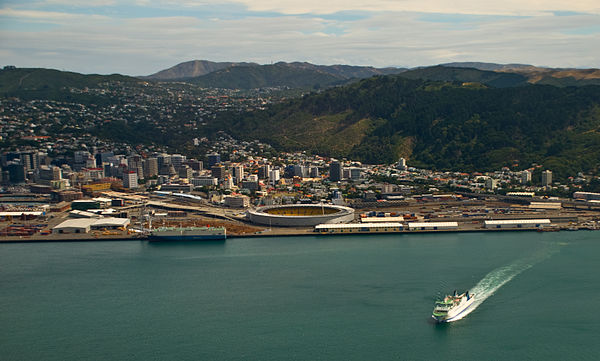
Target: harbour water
<point>302,298</point>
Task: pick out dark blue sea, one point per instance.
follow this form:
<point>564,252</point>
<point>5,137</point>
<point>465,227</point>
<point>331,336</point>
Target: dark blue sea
<point>303,298</point>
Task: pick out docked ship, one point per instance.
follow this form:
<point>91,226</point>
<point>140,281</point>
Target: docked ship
<point>188,234</point>
<point>452,306</point>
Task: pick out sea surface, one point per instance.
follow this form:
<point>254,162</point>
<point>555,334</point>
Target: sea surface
<point>303,298</point>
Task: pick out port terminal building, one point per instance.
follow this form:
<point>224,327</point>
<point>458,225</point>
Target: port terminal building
<point>516,223</point>
<point>378,227</point>
<point>84,225</point>
<point>432,226</point>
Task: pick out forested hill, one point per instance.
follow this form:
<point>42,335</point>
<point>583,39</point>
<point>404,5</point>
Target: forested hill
<point>50,84</point>
<point>442,125</point>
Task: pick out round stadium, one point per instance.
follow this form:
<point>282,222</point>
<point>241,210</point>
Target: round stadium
<point>301,215</point>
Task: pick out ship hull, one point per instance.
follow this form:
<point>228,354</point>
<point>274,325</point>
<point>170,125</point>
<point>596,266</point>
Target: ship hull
<point>157,238</point>
<point>188,234</point>
<point>456,312</point>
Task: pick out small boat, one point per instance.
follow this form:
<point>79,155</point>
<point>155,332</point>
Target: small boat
<point>452,306</point>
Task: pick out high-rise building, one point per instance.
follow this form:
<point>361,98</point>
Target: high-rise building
<point>300,171</point>
<point>238,173</point>
<point>185,172</point>
<point>355,173</point>
<point>196,165</point>
<point>335,171</point>
<point>491,183</point>
<point>163,160</point>
<point>213,159</point>
<point>177,160</point>
<point>525,177</point>
<point>274,176</point>
<point>401,164</point>
<point>546,178</point>
<point>16,171</point>
<point>314,172</point>
<point>263,171</point>
<point>217,171</point>
<point>130,179</point>
<point>150,166</point>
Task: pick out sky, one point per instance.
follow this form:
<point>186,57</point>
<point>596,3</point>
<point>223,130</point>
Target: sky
<point>141,37</point>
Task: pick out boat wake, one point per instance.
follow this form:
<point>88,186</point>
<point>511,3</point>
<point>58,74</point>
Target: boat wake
<point>501,276</point>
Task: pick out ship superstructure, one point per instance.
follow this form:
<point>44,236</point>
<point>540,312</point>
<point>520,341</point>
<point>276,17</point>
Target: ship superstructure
<point>452,307</point>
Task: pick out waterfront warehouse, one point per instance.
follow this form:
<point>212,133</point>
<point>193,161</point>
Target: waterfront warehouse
<point>431,226</point>
<point>516,223</point>
<point>382,227</point>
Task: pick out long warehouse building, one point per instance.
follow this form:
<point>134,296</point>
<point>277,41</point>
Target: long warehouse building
<point>516,223</point>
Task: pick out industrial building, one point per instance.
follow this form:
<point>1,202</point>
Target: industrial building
<point>359,228</point>
<point>516,223</point>
<point>423,226</point>
<point>84,225</point>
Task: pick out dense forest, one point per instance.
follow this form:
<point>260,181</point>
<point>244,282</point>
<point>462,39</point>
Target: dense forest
<point>443,125</point>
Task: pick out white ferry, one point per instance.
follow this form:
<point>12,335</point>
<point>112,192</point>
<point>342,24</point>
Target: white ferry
<point>452,307</point>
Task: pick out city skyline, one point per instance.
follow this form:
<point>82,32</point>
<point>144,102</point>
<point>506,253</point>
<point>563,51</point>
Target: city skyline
<point>142,37</point>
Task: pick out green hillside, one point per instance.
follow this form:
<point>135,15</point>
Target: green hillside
<point>38,83</point>
<point>467,75</point>
<point>442,125</point>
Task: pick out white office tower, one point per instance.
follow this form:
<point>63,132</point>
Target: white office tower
<point>401,164</point>
<point>491,183</point>
<point>227,182</point>
<point>274,176</point>
<point>546,178</point>
<point>238,172</point>
<point>130,179</point>
<point>525,177</point>
<point>314,172</point>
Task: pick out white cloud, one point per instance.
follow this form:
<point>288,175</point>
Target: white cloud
<point>47,16</point>
<point>88,43</point>
<point>481,7</point>
<point>82,3</point>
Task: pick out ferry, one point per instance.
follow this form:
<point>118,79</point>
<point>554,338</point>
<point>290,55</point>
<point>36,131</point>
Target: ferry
<point>452,306</point>
<point>188,234</point>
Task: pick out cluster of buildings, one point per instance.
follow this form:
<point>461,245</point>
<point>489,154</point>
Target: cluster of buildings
<point>166,109</point>
<point>240,173</point>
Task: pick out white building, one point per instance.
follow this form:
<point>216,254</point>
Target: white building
<point>401,164</point>
<point>206,181</point>
<point>237,201</point>
<point>546,178</point>
<point>516,223</point>
<point>525,177</point>
<point>130,179</point>
<point>422,226</point>
<point>274,176</point>
<point>491,183</point>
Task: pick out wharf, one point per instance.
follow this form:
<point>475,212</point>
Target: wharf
<point>275,232</point>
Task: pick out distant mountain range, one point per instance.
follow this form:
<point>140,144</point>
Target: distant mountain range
<point>251,75</point>
<point>310,76</point>
<point>193,69</point>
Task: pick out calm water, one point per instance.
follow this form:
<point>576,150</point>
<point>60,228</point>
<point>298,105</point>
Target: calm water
<point>305,298</point>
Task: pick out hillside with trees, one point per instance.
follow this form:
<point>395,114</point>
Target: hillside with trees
<point>442,125</point>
